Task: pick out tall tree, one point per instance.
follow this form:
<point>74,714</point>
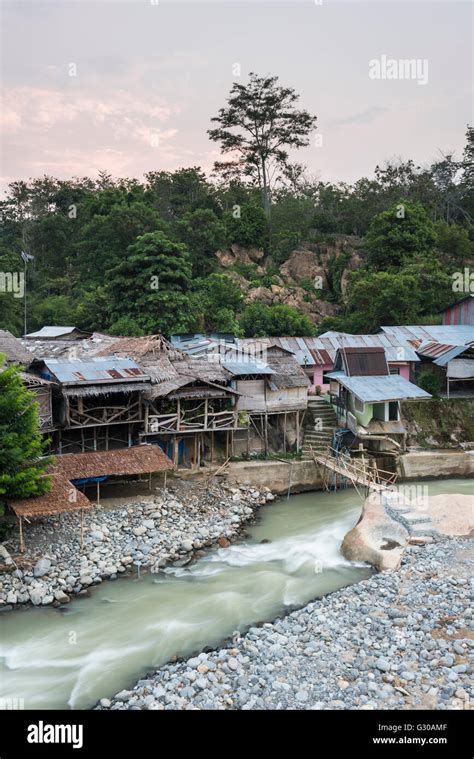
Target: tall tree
<point>203,234</point>
<point>257,128</point>
<point>22,464</point>
<point>151,286</point>
<point>399,235</point>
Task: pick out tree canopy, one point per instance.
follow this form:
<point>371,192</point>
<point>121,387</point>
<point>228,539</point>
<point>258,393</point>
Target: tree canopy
<point>22,463</point>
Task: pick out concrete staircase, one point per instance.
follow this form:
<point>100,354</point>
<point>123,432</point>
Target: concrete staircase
<point>314,438</point>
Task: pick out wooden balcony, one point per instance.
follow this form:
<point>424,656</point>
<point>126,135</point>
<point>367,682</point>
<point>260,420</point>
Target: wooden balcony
<point>211,421</point>
<point>83,415</point>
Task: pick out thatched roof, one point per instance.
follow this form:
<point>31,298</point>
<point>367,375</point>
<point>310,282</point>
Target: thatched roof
<point>202,370</point>
<point>287,372</point>
<point>63,496</point>
<point>138,459</point>
<point>89,391</point>
<point>164,363</point>
<point>13,349</point>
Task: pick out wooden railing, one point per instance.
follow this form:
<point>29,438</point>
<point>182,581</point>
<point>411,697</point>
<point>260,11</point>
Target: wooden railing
<point>358,472</point>
<point>213,420</point>
<point>91,416</point>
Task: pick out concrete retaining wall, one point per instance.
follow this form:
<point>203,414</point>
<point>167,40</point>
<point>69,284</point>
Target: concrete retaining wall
<point>276,475</point>
<point>428,464</point>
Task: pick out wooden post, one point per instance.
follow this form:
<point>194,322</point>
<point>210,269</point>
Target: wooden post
<point>149,480</point>
<point>94,434</point>
<point>212,447</point>
<point>284,433</point>
<point>248,439</point>
<point>178,415</point>
<point>265,432</point>
<point>297,431</point>
<point>175,450</point>
<point>194,450</point>
<point>22,544</point>
<point>107,437</point>
<point>164,484</point>
<point>98,493</point>
<point>82,529</point>
<point>227,444</point>
<point>206,403</point>
<point>199,452</point>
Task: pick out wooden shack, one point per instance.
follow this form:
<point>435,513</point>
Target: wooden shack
<point>97,403</point>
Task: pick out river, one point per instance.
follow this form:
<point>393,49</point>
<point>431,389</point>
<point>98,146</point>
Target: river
<point>94,647</point>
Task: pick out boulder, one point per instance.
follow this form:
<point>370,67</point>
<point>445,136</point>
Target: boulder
<point>41,567</point>
<point>377,538</point>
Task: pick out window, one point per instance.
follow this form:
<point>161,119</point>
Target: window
<point>393,411</point>
<point>394,370</point>
<point>359,405</point>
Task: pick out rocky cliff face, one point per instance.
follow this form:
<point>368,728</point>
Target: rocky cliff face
<point>313,279</point>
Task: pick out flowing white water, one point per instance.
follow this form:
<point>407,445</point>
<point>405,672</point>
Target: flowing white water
<point>96,646</point>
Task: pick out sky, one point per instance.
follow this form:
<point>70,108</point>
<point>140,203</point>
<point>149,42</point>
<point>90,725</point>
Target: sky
<point>130,86</point>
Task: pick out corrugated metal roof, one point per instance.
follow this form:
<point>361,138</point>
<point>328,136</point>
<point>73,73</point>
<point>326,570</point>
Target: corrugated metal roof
<point>461,368</point>
<point>55,332</point>
<point>450,334</point>
<point>395,351</point>
<point>95,370</point>
<point>238,368</point>
<point>390,387</point>
<point>364,362</point>
<point>449,355</point>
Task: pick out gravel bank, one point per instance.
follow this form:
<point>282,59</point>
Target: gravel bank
<point>400,640</point>
<point>149,534</point>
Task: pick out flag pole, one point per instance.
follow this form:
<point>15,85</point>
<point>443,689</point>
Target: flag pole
<point>24,296</point>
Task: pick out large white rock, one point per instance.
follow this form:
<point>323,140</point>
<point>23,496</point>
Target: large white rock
<point>42,567</point>
<point>376,538</point>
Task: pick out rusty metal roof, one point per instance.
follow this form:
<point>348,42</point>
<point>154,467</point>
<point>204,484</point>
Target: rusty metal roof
<point>362,362</point>
<point>95,370</point>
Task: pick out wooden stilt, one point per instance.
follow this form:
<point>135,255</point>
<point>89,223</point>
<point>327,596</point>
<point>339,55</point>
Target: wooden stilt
<point>149,480</point>
<point>297,431</point>
<point>107,437</point>
<point>212,447</point>
<point>22,544</point>
<point>227,444</point>
<point>98,493</point>
<point>164,484</point>
<point>199,452</point>
<point>175,450</point>
<point>265,433</point>
<point>284,432</point>
<point>82,529</point>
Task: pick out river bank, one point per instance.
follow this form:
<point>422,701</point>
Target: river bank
<point>399,640</point>
<point>149,534</point>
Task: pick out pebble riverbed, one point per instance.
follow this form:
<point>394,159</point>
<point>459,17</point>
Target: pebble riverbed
<point>400,640</point>
<point>165,529</point>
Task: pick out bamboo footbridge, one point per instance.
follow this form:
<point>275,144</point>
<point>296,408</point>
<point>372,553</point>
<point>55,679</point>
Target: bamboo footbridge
<point>351,471</point>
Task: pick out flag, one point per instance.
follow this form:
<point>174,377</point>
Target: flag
<point>27,257</point>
